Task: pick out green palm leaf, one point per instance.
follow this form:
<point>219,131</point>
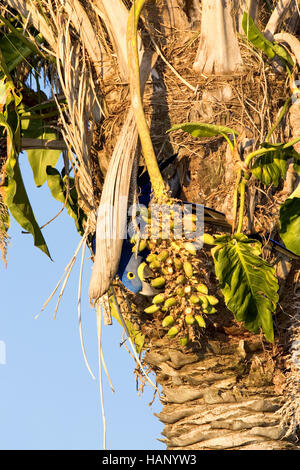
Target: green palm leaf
<point>199,129</point>
<point>290,222</point>
<point>247,281</point>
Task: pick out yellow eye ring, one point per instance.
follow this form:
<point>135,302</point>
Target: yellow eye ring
<point>130,275</point>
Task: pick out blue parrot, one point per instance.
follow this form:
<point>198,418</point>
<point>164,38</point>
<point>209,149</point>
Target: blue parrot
<point>133,270</point>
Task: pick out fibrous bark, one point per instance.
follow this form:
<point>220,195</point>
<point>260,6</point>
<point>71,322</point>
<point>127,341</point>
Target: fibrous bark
<point>223,396</point>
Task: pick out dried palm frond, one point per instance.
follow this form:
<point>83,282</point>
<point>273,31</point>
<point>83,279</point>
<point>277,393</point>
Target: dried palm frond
<point>112,212</point>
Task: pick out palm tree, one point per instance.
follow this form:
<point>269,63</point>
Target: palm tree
<point>123,74</point>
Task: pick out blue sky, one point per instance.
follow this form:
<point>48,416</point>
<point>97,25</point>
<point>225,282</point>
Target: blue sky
<point>48,400</point>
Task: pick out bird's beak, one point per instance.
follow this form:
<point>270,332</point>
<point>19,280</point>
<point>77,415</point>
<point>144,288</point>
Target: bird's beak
<point>148,290</point>
<point>145,272</point>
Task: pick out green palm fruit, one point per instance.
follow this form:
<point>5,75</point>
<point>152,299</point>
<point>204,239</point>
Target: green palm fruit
<point>163,255</point>
<point>200,320</point>
<point>188,269</point>
<point>158,282</point>
<point>167,321</point>
<point>158,299</point>
<point>208,239</point>
<point>170,302</point>
<point>173,331</point>
<point>194,299</point>
<point>177,264</point>
<point>184,340</point>
<point>152,309</point>
<point>189,319</point>
<point>212,300</point>
<point>181,279</point>
<point>191,248</point>
<point>202,288</point>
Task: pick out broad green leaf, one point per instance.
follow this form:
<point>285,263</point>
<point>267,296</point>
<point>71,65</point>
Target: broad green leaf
<point>270,167</point>
<point>290,221</point>
<point>39,159</point>
<point>58,190</point>
<point>248,282</point>
<point>257,38</point>
<point>14,51</point>
<point>199,129</point>
<point>16,197</point>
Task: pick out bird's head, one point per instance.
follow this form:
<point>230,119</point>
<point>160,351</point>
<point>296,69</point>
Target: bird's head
<point>134,277</point>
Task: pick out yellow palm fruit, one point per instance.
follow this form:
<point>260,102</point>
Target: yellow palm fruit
<point>210,309</point>
<point>195,299</point>
<point>188,311</point>
<point>212,300</point>
<point>173,331</point>
<point>189,319</point>
<point>202,288</point>
<point>176,246</point>
<point>184,340</point>
<point>190,247</point>
<point>181,279</point>
<point>200,320</point>
<point>203,300</point>
<point>134,238</point>
<point>180,291</point>
<point>188,269</point>
<point>155,264</point>
<point>152,309</point>
<point>191,217</point>
<point>177,264</point>
<point>163,255</point>
<point>141,247</point>
<point>151,257</point>
<point>158,299</point>
<point>158,282</point>
<point>151,245</point>
<point>208,239</point>
<point>170,302</point>
<point>167,321</point>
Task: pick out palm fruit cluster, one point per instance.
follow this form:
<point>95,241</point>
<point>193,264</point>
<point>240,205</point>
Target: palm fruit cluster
<point>183,298</point>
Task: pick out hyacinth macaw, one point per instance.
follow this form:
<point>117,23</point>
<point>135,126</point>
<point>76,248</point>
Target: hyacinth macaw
<point>132,268</point>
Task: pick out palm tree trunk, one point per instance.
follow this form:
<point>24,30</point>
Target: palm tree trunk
<point>222,395</point>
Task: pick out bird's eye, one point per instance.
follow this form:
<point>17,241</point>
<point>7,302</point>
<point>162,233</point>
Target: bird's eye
<point>130,275</point>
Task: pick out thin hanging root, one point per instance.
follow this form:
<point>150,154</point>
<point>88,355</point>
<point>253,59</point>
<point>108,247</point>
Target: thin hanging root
<point>79,314</point>
<point>130,341</point>
<point>67,272</point>
<point>99,322</point>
